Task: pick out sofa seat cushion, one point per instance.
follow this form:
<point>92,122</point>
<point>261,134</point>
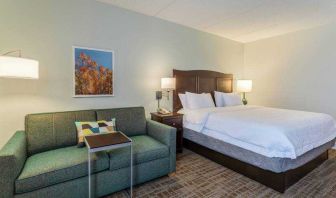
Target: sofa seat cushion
<point>145,149</point>
<point>56,166</point>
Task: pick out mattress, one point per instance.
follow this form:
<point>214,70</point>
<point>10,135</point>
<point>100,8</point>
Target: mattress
<point>274,164</point>
<point>267,131</point>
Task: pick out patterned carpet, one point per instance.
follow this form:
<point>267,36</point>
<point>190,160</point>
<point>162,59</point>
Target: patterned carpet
<point>197,176</point>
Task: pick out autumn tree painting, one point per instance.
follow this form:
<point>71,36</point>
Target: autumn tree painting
<point>93,72</point>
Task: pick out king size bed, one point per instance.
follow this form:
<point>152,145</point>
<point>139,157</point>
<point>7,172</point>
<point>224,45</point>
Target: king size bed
<point>275,147</point>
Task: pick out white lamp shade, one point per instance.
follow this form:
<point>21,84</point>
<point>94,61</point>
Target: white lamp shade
<point>14,67</point>
<point>244,85</point>
<point>168,83</point>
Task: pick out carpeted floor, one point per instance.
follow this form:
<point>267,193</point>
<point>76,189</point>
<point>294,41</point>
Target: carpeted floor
<point>197,176</point>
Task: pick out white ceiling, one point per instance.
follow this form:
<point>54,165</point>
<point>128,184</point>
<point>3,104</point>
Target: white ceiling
<point>239,20</point>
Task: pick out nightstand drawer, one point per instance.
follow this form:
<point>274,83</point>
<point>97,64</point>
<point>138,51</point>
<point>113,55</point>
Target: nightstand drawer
<point>174,122</point>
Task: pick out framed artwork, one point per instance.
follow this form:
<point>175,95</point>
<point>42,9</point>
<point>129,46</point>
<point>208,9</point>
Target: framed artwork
<point>93,72</point>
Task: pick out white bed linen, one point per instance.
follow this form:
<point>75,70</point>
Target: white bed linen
<point>197,101</point>
<point>268,131</point>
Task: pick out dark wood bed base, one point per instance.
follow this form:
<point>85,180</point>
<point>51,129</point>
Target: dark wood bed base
<point>203,81</point>
<point>277,181</point>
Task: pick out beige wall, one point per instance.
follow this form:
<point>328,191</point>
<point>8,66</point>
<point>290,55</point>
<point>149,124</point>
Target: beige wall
<point>295,71</point>
<point>145,50</point>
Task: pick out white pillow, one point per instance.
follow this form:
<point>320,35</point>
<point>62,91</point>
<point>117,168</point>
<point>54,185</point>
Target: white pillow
<point>197,101</point>
<point>231,99</point>
<point>227,99</point>
<point>219,99</point>
<point>183,100</point>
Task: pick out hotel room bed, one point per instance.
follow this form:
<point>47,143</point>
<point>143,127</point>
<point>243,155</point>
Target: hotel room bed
<point>272,146</point>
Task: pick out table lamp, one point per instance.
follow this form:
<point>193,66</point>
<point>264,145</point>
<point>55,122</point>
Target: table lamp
<point>167,85</point>
<point>244,86</point>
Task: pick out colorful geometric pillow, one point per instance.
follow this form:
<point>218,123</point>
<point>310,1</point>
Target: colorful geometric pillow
<point>94,128</point>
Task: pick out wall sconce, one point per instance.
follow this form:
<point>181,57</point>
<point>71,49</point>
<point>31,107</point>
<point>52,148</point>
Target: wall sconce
<point>17,67</point>
<point>167,85</point>
<point>244,86</point>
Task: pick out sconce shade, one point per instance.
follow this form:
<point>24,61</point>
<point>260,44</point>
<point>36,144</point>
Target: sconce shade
<point>168,83</point>
<point>244,86</point>
<point>15,67</point>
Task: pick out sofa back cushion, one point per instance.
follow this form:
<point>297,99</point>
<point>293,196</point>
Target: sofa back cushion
<point>48,131</point>
<point>130,120</point>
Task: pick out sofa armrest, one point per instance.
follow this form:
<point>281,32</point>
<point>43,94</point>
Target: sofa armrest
<point>161,132</point>
<point>166,135</point>
<point>12,158</point>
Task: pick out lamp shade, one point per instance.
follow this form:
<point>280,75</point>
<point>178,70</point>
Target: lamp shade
<point>244,85</point>
<point>15,67</point>
<point>168,83</point>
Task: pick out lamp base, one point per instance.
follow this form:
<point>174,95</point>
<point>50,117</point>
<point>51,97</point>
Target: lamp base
<point>244,101</point>
<point>158,95</point>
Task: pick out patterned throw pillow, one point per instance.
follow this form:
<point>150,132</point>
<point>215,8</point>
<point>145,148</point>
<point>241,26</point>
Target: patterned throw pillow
<point>93,128</point>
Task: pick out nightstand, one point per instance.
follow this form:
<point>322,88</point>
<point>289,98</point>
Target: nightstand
<point>174,120</point>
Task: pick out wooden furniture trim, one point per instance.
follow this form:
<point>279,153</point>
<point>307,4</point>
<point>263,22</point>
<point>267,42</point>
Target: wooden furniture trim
<point>108,139</point>
<point>277,181</point>
<point>168,115</point>
<point>200,81</point>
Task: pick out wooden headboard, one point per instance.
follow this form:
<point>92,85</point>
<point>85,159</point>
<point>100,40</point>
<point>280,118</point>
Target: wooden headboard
<point>200,81</point>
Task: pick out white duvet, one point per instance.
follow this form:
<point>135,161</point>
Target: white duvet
<point>268,131</point>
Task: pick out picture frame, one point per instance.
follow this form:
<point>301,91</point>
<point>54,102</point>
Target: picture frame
<point>93,72</point>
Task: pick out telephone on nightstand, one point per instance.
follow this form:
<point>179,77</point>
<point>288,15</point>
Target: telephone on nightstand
<point>162,110</point>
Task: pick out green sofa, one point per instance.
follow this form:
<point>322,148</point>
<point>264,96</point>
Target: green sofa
<point>44,160</point>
